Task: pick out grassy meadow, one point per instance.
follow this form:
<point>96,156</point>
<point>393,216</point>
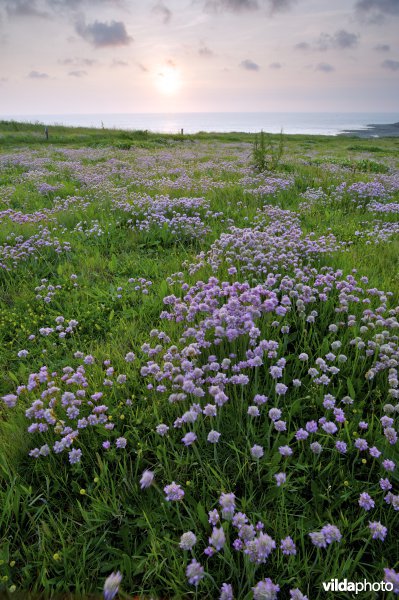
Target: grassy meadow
<point>199,365</point>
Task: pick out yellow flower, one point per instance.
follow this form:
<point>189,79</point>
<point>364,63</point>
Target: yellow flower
<point>364,461</point>
<point>96,479</point>
<point>12,563</point>
<point>56,556</point>
<point>346,483</point>
<point>12,589</point>
<point>82,492</point>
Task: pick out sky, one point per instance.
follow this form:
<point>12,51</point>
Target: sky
<point>129,56</point>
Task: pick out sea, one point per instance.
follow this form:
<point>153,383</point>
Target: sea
<point>314,123</point>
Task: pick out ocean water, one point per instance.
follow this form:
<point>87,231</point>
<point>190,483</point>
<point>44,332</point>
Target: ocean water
<point>251,122</point>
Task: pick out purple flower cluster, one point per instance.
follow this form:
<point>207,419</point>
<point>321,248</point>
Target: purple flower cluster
<point>63,406</point>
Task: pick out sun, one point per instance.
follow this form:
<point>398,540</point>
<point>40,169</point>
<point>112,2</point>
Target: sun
<point>168,81</point>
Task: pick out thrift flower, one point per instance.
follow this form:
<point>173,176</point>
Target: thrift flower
<point>173,491</point>
<point>111,585</point>
<point>226,592</point>
<point>218,538</point>
<point>213,517</point>
<point>162,429</point>
<point>378,531</point>
<point>365,501</point>
<point>194,572</point>
<point>74,456</point>
<point>146,479</point>
<point>296,594</point>
<point>331,533</point>
<point>188,540</point>
<point>390,576</point>
<point>189,438</point>
<point>227,502</point>
<point>257,451</point>
<point>316,448</point>
<point>287,546</point>
<point>285,450</point>
<point>280,478</point>
<point>213,437</point>
<point>265,590</point>
<point>318,539</point>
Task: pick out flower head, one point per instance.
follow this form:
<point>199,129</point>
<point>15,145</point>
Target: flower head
<point>257,451</point>
<point>173,491</point>
<point>188,540</point>
<point>218,538</point>
<point>146,479</point>
<point>378,531</point>
<point>189,438</point>
<point>213,437</point>
<point>227,502</point>
<point>194,572</point>
<point>365,501</point>
<point>296,594</point>
<point>111,585</point>
<point>226,592</point>
<point>265,590</point>
<point>287,546</point>
<point>280,478</point>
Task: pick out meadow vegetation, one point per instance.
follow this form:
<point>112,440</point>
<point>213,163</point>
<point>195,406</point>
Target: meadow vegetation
<point>199,364</point>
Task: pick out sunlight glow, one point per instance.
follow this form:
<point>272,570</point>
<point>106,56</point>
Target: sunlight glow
<point>168,81</point>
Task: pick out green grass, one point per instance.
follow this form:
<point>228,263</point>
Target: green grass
<point>64,528</point>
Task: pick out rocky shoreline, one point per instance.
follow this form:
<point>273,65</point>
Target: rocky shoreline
<point>374,131</point>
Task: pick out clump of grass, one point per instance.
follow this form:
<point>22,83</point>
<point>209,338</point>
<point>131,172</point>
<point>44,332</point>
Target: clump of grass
<point>267,152</point>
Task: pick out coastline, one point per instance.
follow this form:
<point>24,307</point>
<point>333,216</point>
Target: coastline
<point>326,124</point>
<point>374,131</point>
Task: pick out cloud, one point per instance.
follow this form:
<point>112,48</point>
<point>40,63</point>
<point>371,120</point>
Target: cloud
<point>235,6</point>
<point>119,63</point>
<point>391,65</point>
<point>324,67</point>
<point>344,39</point>
<point>24,8</point>
<point>77,73</point>
<point>275,65</point>
<point>240,6</point>
<point>37,75</point>
<point>101,35</point>
<point>163,11</point>
<point>47,8</point>
<point>302,46</point>
<point>249,65</point>
<point>340,40</point>
<point>205,52</point>
<point>280,5</point>
<point>382,48</point>
<point>77,62</point>
<point>375,11</point>
<point>74,5</point>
